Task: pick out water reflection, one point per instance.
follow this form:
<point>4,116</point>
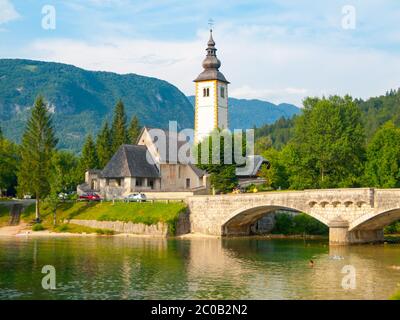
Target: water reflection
<point>203,268</point>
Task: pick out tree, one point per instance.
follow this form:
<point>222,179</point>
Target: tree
<point>328,147</point>
<point>276,176</point>
<point>65,173</point>
<point>64,178</point>
<point>89,158</point>
<point>104,146</point>
<point>134,130</point>
<point>382,169</point>
<point>118,131</point>
<point>9,161</point>
<point>38,144</point>
<point>223,175</point>
<point>262,144</point>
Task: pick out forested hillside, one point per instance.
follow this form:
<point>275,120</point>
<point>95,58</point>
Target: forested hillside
<point>82,100</point>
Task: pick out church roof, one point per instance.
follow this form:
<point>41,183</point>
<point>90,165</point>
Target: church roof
<point>211,64</point>
<point>165,152</point>
<point>130,161</point>
<point>164,157</point>
<point>252,166</point>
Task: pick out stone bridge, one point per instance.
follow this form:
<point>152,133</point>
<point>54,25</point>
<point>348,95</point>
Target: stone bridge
<point>352,215</point>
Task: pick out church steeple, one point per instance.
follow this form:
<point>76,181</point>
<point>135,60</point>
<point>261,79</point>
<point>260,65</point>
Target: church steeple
<point>211,109</point>
<point>211,64</point>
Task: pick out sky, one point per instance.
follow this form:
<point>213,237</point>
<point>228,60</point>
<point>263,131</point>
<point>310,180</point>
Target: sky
<point>276,50</point>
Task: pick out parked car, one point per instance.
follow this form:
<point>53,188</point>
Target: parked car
<point>27,196</point>
<point>136,197</point>
<point>63,196</point>
<point>90,196</point>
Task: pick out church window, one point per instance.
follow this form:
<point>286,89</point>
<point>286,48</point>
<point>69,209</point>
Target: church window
<point>222,92</point>
<point>206,92</point>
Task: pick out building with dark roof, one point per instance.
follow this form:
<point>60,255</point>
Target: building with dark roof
<point>147,167</point>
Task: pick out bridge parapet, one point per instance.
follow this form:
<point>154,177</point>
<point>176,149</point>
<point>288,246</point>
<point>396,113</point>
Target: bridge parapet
<point>387,199</point>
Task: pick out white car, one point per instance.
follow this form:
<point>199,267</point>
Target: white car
<point>63,196</point>
<point>136,197</point>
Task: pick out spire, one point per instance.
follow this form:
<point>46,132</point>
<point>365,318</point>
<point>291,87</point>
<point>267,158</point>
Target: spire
<point>211,42</point>
<point>211,63</point>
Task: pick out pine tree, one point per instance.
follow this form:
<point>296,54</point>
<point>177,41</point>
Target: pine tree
<point>119,132</point>
<point>38,144</point>
<point>134,130</point>
<point>89,159</point>
<point>1,134</point>
<point>104,146</point>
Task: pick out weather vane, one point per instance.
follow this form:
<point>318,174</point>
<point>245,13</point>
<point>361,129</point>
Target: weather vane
<point>211,23</point>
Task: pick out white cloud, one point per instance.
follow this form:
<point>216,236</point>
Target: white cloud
<point>257,62</point>
<point>7,12</point>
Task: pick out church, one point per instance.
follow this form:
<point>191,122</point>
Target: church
<point>144,168</point>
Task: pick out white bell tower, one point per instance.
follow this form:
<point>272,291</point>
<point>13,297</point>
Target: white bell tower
<point>211,105</point>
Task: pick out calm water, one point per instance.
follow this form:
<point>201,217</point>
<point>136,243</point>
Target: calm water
<point>138,268</point>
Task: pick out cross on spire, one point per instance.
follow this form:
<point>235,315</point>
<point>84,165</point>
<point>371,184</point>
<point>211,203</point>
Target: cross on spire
<point>211,23</point>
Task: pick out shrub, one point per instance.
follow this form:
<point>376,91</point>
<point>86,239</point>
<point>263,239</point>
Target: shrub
<point>304,224</point>
<point>62,228</point>
<point>288,224</point>
<point>283,224</point>
<point>38,227</point>
<point>394,228</point>
<point>105,232</point>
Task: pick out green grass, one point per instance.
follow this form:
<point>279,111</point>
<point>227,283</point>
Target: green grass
<point>396,296</point>
<point>4,215</point>
<point>38,227</point>
<point>146,213</point>
<point>74,228</point>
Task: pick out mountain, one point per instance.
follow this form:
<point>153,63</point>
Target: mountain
<point>244,114</point>
<point>81,100</point>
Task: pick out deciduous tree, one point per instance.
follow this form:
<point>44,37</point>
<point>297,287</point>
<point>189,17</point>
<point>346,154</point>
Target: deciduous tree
<point>328,147</point>
<point>382,169</point>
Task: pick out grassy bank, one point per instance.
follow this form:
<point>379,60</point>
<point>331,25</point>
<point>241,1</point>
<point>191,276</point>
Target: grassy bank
<point>395,296</point>
<point>4,215</point>
<point>146,213</point>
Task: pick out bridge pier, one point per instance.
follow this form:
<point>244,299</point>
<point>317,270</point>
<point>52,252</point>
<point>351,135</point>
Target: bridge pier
<point>339,234</point>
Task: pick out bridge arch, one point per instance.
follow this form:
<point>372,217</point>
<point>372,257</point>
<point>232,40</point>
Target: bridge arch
<point>239,221</point>
<point>375,221</point>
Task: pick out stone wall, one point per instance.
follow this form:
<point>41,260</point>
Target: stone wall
<point>160,229</point>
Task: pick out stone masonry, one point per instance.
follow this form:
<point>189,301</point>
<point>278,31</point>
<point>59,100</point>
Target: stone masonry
<point>352,215</point>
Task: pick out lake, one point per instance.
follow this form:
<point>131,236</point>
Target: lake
<point>198,268</point>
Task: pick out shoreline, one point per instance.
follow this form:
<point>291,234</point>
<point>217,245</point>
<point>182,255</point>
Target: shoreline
<point>23,231</point>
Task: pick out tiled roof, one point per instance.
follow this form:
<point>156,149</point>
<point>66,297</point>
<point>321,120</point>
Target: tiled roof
<point>131,161</point>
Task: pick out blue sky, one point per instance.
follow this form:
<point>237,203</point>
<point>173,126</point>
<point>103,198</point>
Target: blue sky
<point>276,50</point>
